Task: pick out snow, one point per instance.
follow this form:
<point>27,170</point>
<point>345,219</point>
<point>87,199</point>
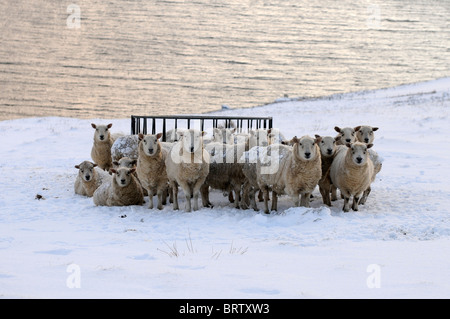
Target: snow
<point>396,246</point>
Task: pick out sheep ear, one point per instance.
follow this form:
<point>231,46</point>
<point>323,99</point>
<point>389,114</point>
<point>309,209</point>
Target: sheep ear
<point>109,125</point>
<point>337,138</point>
<point>233,130</point>
<point>133,162</point>
<point>374,128</point>
<point>295,140</point>
<point>93,125</point>
<point>317,139</point>
<point>204,133</point>
<point>269,131</point>
<point>317,135</point>
<point>369,145</point>
<point>112,170</point>
<point>158,136</point>
<point>357,128</point>
<point>95,165</point>
<point>131,171</point>
<point>116,163</point>
<point>77,166</point>
<point>337,129</point>
<point>349,145</point>
<point>140,136</point>
<point>284,142</point>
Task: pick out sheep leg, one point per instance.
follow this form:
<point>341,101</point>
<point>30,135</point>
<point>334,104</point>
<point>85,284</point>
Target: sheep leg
<point>265,192</point>
<point>355,202</point>
<point>150,197</point>
<point>204,191</point>
<point>230,196</point>
<point>175,195</point>
<point>237,195</point>
<point>304,201</point>
<point>252,195</point>
<point>245,195</point>
<point>346,204</point>
<point>274,201</point>
<point>366,193</point>
<point>160,194</point>
<point>333,193</point>
<point>261,196</point>
<point>164,195</point>
<point>196,191</point>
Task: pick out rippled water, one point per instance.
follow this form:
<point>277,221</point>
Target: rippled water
<point>147,57</point>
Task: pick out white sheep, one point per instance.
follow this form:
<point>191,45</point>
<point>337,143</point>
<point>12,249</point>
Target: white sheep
<point>225,171</point>
<point>296,173</point>
<point>173,135</point>
<point>364,133</point>
<point>258,137</point>
<point>125,146</point>
<point>352,172</point>
<point>101,150</point>
<point>327,147</point>
<point>124,189</point>
<point>275,136</point>
<point>89,178</point>
<point>347,135</point>
<point>223,135</point>
<point>187,165</point>
<point>151,168</point>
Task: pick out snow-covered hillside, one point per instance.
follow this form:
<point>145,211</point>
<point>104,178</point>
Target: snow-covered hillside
<point>395,246</point>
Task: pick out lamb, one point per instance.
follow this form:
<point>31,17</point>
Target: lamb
<point>151,168</point>
<point>352,172</point>
<point>187,165</point>
<point>223,135</point>
<point>275,136</point>
<point>89,178</point>
<point>258,137</point>
<point>173,135</point>
<point>101,150</point>
<point>123,189</point>
<point>364,133</point>
<point>347,135</point>
<point>297,172</point>
<point>225,171</point>
<point>327,147</point>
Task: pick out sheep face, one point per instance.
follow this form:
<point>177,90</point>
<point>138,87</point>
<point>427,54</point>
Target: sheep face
<point>192,141</point>
<point>150,144</point>
<point>123,175</point>
<point>359,152</point>
<point>224,136</point>
<point>259,138</point>
<point>306,149</point>
<point>101,132</point>
<point>365,134</point>
<point>327,146</point>
<point>347,134</point>
<point>86,170</point>
<point>125,162</point>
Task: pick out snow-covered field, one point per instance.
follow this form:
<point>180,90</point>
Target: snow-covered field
<point>396,246</point>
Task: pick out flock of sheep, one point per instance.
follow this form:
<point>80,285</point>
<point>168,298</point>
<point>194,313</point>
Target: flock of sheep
<point>127,168</point>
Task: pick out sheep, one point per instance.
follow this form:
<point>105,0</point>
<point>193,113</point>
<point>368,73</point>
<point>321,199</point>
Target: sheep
<point>123,189</point>
<point>151,168</point>
<point>223,135</point>
<point>225,171</point>
<point>258,137</point>
<point>364,133</point>
<point>187,165</point>
<point>275,136</point>
<point>101,150</point>
<point>327,147</point>
<point>89,178</point>
<point>125,146</point>
<point>297,172</point>
<point>352,172</point>
<point>173,135</point>
<point>347,135</point>
<point>377,164</point>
